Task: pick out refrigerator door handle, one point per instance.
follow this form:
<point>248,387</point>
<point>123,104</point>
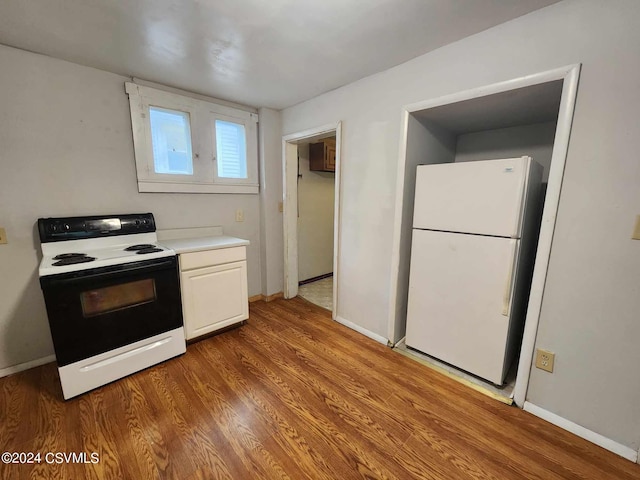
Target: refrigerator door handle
<point>510,281</point>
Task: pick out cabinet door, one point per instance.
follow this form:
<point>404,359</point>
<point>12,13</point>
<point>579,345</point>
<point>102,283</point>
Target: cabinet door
<point>322,156</point>
<point>331,158</point>
<point>214,297</point>
<point>316,157</point>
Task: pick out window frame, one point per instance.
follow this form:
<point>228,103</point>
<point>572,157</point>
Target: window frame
<point>202,116</point>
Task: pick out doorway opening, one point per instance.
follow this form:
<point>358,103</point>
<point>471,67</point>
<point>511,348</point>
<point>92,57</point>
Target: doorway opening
<point>311,207</point>
<point>528,116</point>
<point>316,198</point>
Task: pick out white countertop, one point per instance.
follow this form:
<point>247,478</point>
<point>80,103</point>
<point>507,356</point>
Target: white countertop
<point>197,242</point>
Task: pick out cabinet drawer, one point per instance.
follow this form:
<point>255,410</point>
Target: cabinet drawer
<point>206,258</point>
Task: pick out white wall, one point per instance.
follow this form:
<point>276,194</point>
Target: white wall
<point>66,149</point>
<point>592,294</point>
<point>534,140</point>
<point>316,194</point>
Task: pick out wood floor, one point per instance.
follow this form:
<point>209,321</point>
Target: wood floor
<point>291,394</point>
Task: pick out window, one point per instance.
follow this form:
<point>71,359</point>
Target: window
<point>117,297</point>
<point>231,149</point>
<point>187,145</point>
<point>171,141</point>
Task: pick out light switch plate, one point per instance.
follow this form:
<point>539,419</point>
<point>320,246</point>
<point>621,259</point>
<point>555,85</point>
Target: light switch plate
<point>239,215</point>
<point>3,236</point>
<point>636,229</point>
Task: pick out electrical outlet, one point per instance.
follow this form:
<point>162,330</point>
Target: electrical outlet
<point>239,215</point>
<point>545,360</point>
<point>3,236</point>
<point>636,229</point>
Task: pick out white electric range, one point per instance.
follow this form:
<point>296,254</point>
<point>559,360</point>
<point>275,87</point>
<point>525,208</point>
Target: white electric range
<point>112,295</point>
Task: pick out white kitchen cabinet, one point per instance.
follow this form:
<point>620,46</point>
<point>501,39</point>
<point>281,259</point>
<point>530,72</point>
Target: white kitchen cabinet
<point>214,295</point>
<point>213,278</point>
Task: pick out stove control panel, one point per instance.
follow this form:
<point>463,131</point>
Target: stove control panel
<point>75,228</point>
<point>103,225</point>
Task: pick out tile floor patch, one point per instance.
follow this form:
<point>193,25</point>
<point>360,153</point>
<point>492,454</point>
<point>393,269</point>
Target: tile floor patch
<point>319,292</point>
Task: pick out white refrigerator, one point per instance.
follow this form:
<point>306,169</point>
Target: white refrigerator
<point>475,229</point>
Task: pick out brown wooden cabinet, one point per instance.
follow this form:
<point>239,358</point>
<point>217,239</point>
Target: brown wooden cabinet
<point>322,155</point>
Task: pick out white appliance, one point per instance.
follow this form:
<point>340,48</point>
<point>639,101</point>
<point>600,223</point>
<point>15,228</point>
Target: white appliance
<point>112,296</point>
<point>475,231</point>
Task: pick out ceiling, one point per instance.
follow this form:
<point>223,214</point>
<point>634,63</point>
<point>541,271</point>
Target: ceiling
<point>273,53</point>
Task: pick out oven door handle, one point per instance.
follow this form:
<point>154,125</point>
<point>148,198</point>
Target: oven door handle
<point>120,271</point>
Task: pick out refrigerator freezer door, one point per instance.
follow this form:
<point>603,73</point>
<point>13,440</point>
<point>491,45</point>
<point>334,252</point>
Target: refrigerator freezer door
<point>484,197</point>
<point>456,305</point>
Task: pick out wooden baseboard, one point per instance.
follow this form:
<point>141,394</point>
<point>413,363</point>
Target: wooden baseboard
<point>267,298</point>
<point>275,296</point>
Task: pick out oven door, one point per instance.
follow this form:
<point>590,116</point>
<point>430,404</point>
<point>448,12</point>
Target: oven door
<point>97,310</point>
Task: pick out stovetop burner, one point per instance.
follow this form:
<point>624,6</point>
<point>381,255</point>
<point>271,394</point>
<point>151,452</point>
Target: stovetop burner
<point>141,246</point>
<point>73,260</point>
<point>69,255</point>
<point>150,249</point>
